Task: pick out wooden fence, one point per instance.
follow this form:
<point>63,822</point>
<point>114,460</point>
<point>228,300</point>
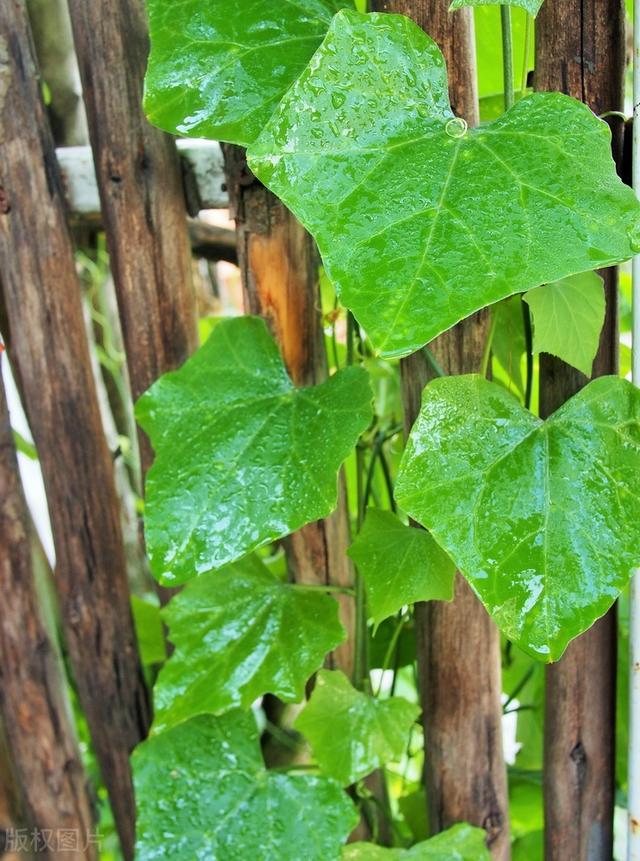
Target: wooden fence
<point>135,184</point>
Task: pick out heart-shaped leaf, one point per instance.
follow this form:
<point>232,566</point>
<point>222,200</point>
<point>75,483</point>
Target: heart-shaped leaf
<point>542,518</point>
<point>202,792</point>
<point>461,843</point>
<point>400,565</point>
<point>350,733</point>
<point>242,457</point>
<point>568,316</point>
<point>240,633</point>
<point>218,69</point>
<point>530,6</point>
<point>419,222</point>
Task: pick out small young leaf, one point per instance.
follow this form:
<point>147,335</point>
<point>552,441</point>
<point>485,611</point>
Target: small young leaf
<point>514,501</point>
<point>400,565</point>
<point>351,733</point>
<point>242,457</point>
<point>568,316</point>
<point>530,6</point>
<point>218,69</point>
<point>202,792</point>
<point>241,633</point>
<point>461,843</point>
<point>420,222</point>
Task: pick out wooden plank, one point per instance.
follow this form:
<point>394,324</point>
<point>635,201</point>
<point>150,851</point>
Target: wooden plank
<point>458,644</point>
<point>50,355</point>
<point>200,158</point>
<point>141,193</point>
<point>279,265</point>
<point>580,50</point>
<point>40,742</point>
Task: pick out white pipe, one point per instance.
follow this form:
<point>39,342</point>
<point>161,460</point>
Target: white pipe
<point>633,845</point>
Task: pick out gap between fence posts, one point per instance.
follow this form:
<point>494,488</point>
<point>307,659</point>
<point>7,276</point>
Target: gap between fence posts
<point>580,50</point>
<point>49,351</point>
<point>458,643</point>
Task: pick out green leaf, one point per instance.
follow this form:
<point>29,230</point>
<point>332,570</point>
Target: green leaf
<point>149,632</point>
<point>461,843</point>
<point>419,223</point>
<point>509,343</point>
<point>568,316</point>
<point>242,457</point>
<point>350,733</point>
<point>530,6</point>
<point>238,634</point>
<point>202,792</point>
<point>516,501</point>
<point>218,70</point>
<point>400,565</point>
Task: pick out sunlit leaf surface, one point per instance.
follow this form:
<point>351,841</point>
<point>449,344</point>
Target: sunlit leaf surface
<point>461,843</point>
<point>352,733</point>
<point>568,316</point>
<point>203,793</point>
<point>419,221</point>
<point>543,518</point>
<point>219,69</point>
<point>400,565</point>
<point>240,633</point>
<point>531,6</point>
<point>242,457</point>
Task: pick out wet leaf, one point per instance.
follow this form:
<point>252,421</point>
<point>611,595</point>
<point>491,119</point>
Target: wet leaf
<point>420,223</point>
<point>461,843</point>
<point>351,734</point>
<point>218,70</point>
<point>240,633</point>
<point>531,6</point>
<point>202,792</point>
<point>568,316</point>
<point>242,457</point>
<point>400,565</point>
<point>543,518</point>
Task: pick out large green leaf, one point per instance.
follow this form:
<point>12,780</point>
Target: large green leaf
<point>219,69</point>
<point>242,457</point>
<point>461,843</point>
<point>241,633</point>
<point>531,6</point>
<point>202,792</point>
<point>568,316</point>
<point>420,223</point>
<point>543,518</point>
<point>351,733</point>
<point>400,565</point>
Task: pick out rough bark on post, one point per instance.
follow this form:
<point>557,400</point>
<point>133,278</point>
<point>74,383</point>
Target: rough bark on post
<point>43,752</point>
<point>141,194</point>
<point>580,50</point>
<point>279,265</point>
<point>50,354</point>
<point>458,643</point>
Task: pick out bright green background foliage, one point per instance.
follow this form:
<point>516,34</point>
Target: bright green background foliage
<point>420,224</point>
<point>400,565</point>
<point>351,733</point>
<point>238,634</point>
<point>203,792</point>
<point>460,843</point>
<point>242,457</point>
<point>514,501</point>
<point>531,6</point>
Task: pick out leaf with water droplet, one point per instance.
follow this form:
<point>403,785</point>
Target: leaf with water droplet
<point>418,222</point>
<point>202,792</point>
<point>242,456</point>
<point>240,633</point>
<point>542,518</point>
<point>463,842</point>
<point>351,733</point>
<point>530,6</point>
<point>568,316</point>
<point>218,70</point>
<point>400,565</point>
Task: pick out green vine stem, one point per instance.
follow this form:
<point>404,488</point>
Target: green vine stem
<point>507,56</point>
